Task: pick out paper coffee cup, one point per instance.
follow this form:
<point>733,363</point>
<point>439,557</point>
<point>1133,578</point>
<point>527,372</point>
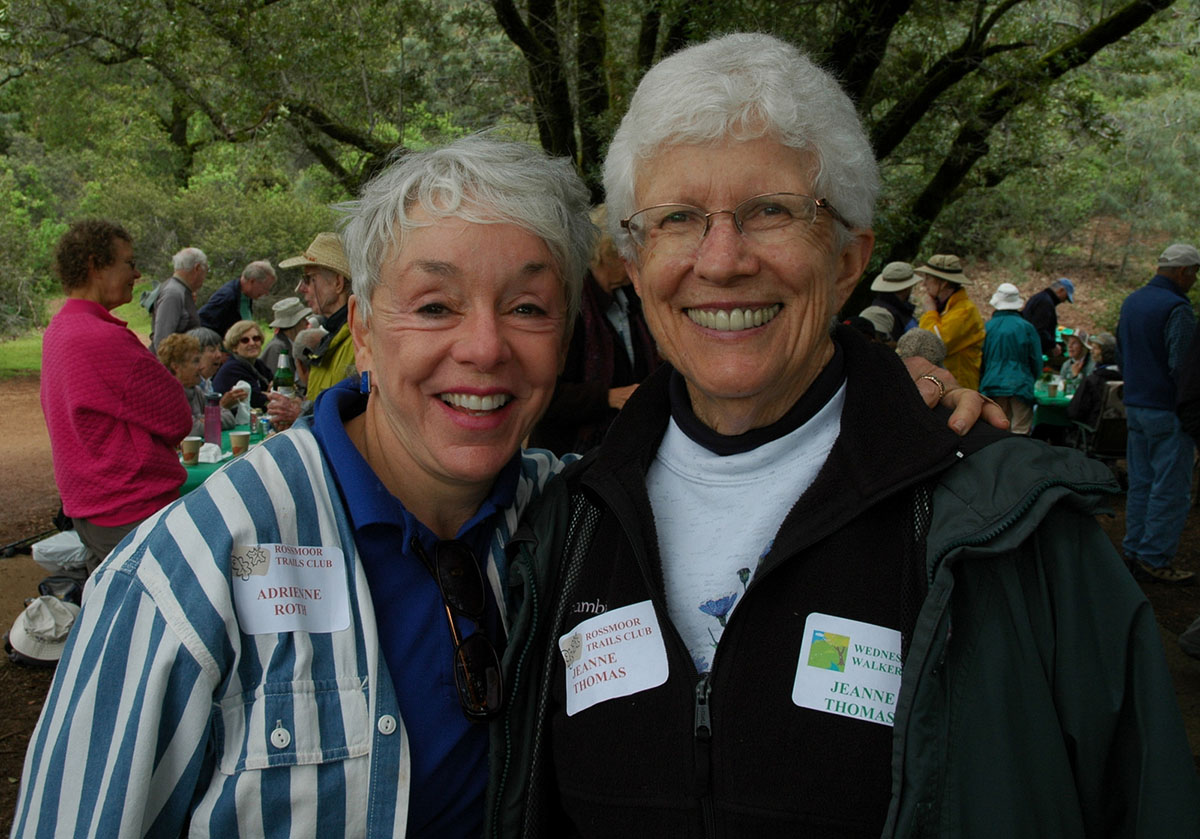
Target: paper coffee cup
<point>190,446</point>
<point>239,441</point>
<point>1053,389</point>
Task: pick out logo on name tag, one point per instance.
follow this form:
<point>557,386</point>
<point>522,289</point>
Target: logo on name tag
<point>290,588</point>
<point>615,654</point>
<point>849,668</point>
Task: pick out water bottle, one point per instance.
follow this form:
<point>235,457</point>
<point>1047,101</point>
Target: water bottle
<point>212,419</point>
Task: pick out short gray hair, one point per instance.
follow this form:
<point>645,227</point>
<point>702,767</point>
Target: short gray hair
<point>480,180</point>
<point>306,339</point>
<point>207,337</point>
<point>921,343</point>
<point>259,269</point>
<point>742,87</point>
<point>189,258</point>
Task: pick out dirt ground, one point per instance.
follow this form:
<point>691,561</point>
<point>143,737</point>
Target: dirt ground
<point>28,501</point>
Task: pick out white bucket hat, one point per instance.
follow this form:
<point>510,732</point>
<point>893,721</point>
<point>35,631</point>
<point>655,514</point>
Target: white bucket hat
<point>1007,298</point>
<point>40,632</point>
<point>288,312</point>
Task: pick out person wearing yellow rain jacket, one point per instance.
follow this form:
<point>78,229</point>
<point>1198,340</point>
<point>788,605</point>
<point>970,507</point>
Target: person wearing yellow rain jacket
<point>953,317</point>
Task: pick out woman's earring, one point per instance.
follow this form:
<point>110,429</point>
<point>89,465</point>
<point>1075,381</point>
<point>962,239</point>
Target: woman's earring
<point>364,382</point>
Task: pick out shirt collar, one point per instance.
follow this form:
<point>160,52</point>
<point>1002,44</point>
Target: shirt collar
<point>823,388</point>
<point>367,500</point>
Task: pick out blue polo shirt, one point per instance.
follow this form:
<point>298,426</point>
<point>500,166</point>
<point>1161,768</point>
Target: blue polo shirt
<point>449,754</point>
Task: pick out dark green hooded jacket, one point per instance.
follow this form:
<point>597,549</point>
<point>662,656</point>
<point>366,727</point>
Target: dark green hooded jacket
<point>1035,698</point>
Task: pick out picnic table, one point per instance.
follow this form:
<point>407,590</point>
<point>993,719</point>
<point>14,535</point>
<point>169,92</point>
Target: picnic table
<point>1050,410</point>
<point>198,473</point>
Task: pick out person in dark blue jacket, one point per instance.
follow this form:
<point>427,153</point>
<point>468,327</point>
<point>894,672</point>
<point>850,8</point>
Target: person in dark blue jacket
<point>1042,312</point>
<point>234,301</point>
<point>1154,334</point>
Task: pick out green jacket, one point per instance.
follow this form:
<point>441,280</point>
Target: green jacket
<point>1035,698</point>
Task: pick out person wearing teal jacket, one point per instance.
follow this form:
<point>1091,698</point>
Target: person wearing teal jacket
<point>1012,359</point>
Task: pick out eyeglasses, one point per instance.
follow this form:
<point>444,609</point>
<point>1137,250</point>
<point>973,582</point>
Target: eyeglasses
<point>764,219</point>
<point>476,664</point>
<point>250,339</point>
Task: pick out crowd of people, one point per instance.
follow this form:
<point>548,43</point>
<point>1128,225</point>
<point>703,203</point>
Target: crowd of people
<point>392,619</point>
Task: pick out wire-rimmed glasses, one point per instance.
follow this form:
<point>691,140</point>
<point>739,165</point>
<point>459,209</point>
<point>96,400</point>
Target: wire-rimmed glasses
<point>765,219</point>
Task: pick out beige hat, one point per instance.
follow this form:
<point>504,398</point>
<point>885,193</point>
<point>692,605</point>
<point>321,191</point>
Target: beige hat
<point>947,266</point>
<point>896,276</point>
<point>324,252</point>
<point>1179,256</point>
<point>883,320</point>
<point>288,312</point>
<point>40,632</point>
<point>1007,298</point>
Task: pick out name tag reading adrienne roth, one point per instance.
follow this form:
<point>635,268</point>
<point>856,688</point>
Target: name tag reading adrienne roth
<point>290,588</point>
<point>612,655</point>
<point>849,668</point>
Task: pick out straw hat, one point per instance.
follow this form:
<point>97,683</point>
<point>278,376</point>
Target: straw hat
<point>40,632</point>
<point>896,276</point>
<point>324,252</point>
<point>947,266</point>
<point>1007,298</point>
<point>288,312</point>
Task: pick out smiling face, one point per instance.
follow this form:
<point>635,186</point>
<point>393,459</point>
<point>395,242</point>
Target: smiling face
<point>746,325</point>
<point>249,345</point>
<point>463,343</point>
<point>112,285</point>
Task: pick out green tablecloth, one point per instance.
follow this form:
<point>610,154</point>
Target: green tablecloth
<point>1050,410</point>
<point>199,473</point>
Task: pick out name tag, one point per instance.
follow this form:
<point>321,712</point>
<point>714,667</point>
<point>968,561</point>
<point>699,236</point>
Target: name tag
<point>849,668</point>
<point>290,588</point>
<point>612,655</point>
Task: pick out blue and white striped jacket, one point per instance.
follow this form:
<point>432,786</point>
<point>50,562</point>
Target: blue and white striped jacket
<point>166,718</point>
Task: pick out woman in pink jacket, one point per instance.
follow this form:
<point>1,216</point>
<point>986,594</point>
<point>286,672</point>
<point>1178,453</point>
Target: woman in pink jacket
<point>115,414</point>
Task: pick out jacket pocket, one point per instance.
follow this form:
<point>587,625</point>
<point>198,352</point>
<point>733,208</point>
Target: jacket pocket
<point>293,724</point>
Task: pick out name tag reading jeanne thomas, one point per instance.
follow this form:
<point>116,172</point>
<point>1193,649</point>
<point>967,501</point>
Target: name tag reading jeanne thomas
<point>849,668</point>
<point>290,588</point>
<point>612,655</point>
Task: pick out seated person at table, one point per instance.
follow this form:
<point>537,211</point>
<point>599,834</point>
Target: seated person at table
<point>212,355</point>
<point>1079,362</point>
<point>306,339</point>
<point>244,340</point>
<point>1085,405</point>
<point>180,353</point>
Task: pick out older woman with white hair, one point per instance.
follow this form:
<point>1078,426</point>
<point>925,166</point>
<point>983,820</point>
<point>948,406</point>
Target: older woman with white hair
<point>306,645</point>
<point>783,598</point>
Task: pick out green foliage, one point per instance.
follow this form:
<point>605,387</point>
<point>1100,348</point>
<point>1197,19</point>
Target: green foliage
<point>232,125</point>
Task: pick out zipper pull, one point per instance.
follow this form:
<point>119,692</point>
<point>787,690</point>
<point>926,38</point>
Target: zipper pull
<point>703,714</point>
